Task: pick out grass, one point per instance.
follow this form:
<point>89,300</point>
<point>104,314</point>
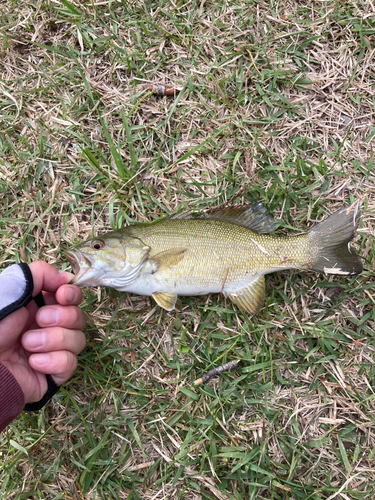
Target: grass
<point>276,104</point>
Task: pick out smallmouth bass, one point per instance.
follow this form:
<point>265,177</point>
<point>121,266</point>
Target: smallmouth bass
<point>228,251</point>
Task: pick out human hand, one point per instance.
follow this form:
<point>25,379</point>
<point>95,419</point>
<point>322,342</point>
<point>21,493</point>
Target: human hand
<point>35,342</point>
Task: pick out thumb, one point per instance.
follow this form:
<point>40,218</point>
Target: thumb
<point>47,277</point>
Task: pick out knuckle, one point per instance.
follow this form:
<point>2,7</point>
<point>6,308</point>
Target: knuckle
<point>81,320</point>
<point>63,337</point>
<point>72,362</point>
<point>58,337</point>
<point>53,338</point>
<point>78,314</point>
<point>67,363</point>
<point>82,340</point>
<point>73,313</point>
<point>71,316</point>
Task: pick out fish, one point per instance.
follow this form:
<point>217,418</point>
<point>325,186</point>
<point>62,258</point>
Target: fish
<point>227,251</point>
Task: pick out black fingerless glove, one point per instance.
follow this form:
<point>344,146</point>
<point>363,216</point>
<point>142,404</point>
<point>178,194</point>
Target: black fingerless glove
<point>16,288</point>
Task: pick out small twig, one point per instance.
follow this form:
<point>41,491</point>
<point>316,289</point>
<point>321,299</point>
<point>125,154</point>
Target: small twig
<point>234,441</point>
<point>211,373</point>
<point>134,468</point>
<point>159,89</point>
<point>369,294</point>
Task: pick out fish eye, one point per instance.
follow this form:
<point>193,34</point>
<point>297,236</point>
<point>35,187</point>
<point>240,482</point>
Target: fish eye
<point>97,244</point>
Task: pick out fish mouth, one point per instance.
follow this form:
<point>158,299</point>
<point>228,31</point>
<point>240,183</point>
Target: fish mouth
<point>80,265</point>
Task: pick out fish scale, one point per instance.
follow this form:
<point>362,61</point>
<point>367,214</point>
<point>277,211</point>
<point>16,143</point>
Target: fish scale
<point>216,249</point>
<point>227,251</point>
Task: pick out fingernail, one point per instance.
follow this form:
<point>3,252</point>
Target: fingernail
<point>34,338</point>
<point>49,315</point>
<point>67,275</point>
<point>40,359</point>
<point>70,295</point>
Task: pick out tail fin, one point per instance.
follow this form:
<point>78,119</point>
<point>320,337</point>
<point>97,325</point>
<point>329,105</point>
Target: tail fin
<point>330,242</point>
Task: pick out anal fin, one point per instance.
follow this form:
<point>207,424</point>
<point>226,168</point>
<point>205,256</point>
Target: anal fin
<point>250,298</point>
<point>166,300</point>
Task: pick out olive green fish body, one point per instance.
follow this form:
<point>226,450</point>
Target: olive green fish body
<point>226,252</point>
<point>217,256</point>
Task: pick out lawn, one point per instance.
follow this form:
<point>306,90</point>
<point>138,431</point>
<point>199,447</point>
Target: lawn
<point>272,102</point>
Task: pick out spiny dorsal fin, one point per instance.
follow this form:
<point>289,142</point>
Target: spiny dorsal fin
<point>168,258</point>
<point>250,298</point>
<point>255,217</point>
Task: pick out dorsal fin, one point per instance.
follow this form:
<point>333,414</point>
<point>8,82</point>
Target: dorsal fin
<point>255,217</point>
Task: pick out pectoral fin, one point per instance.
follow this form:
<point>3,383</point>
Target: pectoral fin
<point>250,298</point>
<point>166,300</point>
<point>168,258</point>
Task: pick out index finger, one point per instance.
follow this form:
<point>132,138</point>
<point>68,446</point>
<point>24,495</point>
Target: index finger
<point>47,277</point>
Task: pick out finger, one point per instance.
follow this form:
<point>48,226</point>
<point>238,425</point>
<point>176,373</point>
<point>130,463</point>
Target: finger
<point>69,295</point>
<point>47,277</point>
<point>65,295</point>
<point>54,339</point>
<point>50,299</point>
<point>59,364</point>
<point>66,316</point>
